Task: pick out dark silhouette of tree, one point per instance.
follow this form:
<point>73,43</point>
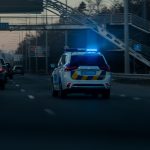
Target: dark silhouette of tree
<point>117,7</point>
<point>82,7</point>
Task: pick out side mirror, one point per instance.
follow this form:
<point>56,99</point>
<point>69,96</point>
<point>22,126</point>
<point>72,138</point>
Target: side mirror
<point>53,66</point>
<point>8,65</point>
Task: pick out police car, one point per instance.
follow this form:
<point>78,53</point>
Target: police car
<point>81,71</point>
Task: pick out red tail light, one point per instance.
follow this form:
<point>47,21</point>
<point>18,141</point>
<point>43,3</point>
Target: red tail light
<point>2,69</point>
<point>70,68</point>
<point>106,68</point>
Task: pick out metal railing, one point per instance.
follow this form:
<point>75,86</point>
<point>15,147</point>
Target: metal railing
<point>143,49</point>
<point>117,19</point>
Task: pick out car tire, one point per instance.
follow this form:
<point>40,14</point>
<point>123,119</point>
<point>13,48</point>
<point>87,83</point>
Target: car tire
<point>54,93</point>
<point>62,94</point>
<point>6,80</point>
<point>2,86</point>
<point>11,77</point>
<point>94,95</point>
<point>106,94</point>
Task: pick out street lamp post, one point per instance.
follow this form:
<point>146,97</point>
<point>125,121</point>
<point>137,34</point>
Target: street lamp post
<point>126,38</point>
<point>46,43</point>
<point>144,9</point>
<point>66,32</point>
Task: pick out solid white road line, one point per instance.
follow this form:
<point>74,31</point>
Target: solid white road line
<point>31,97</point>
<point>50,112</point>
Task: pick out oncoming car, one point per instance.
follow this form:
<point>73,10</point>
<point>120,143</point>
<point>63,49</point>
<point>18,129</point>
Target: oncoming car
<point>3,74</point>
<point>81,71</point>
<point>18,69</point>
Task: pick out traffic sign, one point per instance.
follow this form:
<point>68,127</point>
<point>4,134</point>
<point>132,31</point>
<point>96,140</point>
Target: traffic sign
<point>21,6</point>
<point>4,26</point>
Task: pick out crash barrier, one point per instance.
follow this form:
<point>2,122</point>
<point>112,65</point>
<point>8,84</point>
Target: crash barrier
<point>131,76</point>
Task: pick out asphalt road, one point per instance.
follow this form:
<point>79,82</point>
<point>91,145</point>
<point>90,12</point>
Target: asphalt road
<point>31,119</point>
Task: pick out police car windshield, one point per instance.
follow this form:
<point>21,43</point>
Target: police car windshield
<point>87,60</point>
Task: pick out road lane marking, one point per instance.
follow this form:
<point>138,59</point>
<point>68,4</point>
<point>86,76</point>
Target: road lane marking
<point>22,90</point>
<point>17,85</point>
<point>31,97</point>
<point>50,112</point>
<point>136,98</point>
<point>122,95</point>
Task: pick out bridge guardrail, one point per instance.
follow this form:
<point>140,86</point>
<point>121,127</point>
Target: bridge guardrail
<point>131,76</point>
<point>133,19</point>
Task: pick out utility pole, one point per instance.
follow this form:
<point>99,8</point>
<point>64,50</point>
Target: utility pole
<point>26,55</point>
<point>144,9</point>
<point>36,52</point>
<point>22,47</point>
<point>26,51</point>
<point>29,50</point>
<point>66,32</point>
<point>126,38</point>
<point>46,43</point>
<point>29,54</point>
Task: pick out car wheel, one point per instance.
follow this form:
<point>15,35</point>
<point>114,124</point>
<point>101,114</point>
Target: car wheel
<point>11,77</point>
<point>2,86</point>
<point>61,92</point>
<point>94,95</point>
<point>54,93</point>
<point>6,80</point>
<point>106,94</point>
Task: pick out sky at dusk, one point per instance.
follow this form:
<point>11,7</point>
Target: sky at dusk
<point>10,40</point>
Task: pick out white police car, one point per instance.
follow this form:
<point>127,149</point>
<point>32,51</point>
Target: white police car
<point>81,71</point>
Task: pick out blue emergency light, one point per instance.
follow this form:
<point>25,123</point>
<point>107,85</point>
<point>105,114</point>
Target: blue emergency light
<point>80,50</point>
<point>91,50</point>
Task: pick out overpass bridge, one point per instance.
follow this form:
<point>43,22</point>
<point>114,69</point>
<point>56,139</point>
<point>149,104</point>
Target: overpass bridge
<point>37,22</point>
<point>47,27</point>
<point>75,16</point>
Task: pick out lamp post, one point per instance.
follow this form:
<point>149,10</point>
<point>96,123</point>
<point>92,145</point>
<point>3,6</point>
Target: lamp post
<point>66,32</point>
<point>36,52</point>
<point>144,9</point>
<point>46,43</point>
<point>126,38</point>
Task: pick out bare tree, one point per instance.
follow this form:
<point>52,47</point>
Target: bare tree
<point>94,6</point>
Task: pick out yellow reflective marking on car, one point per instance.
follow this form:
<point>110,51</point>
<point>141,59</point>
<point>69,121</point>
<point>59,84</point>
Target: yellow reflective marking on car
<point>108,73</point>
<point>75,75</point>
<point>99,76</point>
<point>95,78</point>
<point>84,78</point>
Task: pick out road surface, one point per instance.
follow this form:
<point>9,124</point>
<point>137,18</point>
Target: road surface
<point>31,119</point>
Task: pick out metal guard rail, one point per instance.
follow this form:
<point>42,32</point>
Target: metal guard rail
<point>115,19</point>
<point>131,76</point>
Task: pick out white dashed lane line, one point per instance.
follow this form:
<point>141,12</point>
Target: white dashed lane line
<point>122,95</point>
<point>17,85</point>
<point>22,90</point>
<point>50,112</point>
<point>31,97</point>
<point>136,98</point>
